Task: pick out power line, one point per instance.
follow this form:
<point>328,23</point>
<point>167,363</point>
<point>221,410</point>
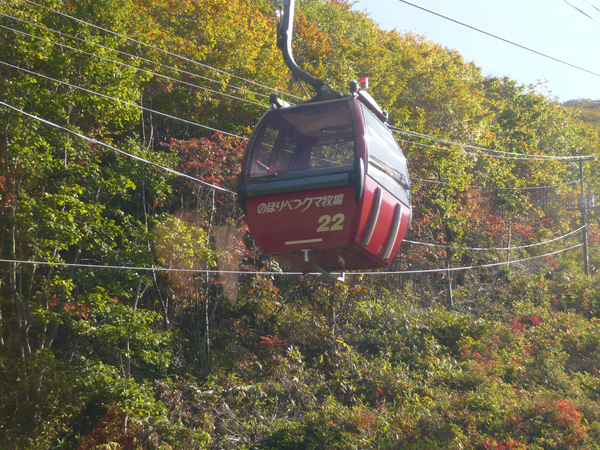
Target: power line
<point>242,272</point>
<point>135,56</point>
<point>143,108</point>
<point>457,269</point>
<point>526,157</point>
<point>500,38</point>
<point>160,49</point>
<point>94,141</point>
<point>494,153</point>
<point>592,5</point>
<point>494,188</point>
<point>134,68</point>
<point>581,11</point>
<point>499,249</point>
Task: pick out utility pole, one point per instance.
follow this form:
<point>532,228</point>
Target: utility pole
<point>584,202</point>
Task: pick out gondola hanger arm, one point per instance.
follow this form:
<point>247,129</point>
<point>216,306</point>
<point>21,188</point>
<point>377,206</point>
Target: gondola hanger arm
<point>285,31</point>
<point>341,278</point>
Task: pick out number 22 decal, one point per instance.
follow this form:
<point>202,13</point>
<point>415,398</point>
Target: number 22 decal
<point>327,223</point>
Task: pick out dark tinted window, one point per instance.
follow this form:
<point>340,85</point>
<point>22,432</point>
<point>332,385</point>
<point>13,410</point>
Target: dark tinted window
<point>316,137</point>
<point>387,164</point>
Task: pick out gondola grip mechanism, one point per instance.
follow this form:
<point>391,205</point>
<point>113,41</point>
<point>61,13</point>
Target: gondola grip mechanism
<point>285,30</point>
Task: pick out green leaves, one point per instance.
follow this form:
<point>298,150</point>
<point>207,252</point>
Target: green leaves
<point>128,331</point>
<point>179,245</point>
<point>288,362</point>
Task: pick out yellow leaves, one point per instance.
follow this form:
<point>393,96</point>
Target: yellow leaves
<point>181,246</point>
<point>358,291</point>
<point>342,344</point>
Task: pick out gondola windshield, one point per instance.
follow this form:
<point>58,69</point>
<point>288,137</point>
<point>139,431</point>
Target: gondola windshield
<point>303,141</point>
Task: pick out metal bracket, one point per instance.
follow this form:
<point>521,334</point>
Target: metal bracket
<point>285,30</point>
<point>341,279</point>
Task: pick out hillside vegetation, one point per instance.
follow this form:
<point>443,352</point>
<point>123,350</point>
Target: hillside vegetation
<point>136,313</point>
<point>589,111</point>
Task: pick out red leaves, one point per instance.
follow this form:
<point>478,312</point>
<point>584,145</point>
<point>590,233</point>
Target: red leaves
<point>80,310</point>
<point>215,160</point>
<point>503,444</point>
<point>567,414</point>
<point>520,324</point>
<point>114,428</point>
<point>53,302</point>
<point>272,340</point>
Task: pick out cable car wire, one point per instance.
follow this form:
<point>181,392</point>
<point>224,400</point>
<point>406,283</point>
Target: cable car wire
<point>94,141</point>
<point>231,134</point>
<point>530,157</point>
<point>581,11</point>
<point>449,142</point>
<point>141,58</point>
<point>457,269</point>
<point>244,272</point>
<point>219,188</point>
<point>166,77</point>
<point>143,108</point>
<point>592,5</point>
<point>500,38</point>
<point>498,153</point>
<point>226,190</point>
<point>495,188</point>
<point>477,249</point>
<point>494,153</point>
<point>160,49</point>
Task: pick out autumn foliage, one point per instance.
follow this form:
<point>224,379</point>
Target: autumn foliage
<point>135,312</point>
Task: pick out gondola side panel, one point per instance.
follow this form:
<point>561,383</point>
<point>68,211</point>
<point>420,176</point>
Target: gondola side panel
<point>377,233</point>
<point>291,222</point>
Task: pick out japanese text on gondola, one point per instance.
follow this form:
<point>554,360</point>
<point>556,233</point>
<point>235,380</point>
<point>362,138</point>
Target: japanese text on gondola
<point>300,204</point>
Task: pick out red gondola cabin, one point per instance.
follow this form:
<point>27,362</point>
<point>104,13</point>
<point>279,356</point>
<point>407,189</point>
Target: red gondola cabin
<point>329,178</point>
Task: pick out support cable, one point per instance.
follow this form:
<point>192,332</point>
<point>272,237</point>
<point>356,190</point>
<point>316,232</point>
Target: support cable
<point>495,188</point>
<point>143,108</point>
<point>498,249</point>
<point>457,269</point>
<point>159,49</point>
<point>166,77</point>
<point>494,153</point>
<point>243,272</point>
<point>137,57</point>
<point>501,38</point>
<point>94,141</point>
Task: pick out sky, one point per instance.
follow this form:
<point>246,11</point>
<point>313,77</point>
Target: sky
<point>552,27</point>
